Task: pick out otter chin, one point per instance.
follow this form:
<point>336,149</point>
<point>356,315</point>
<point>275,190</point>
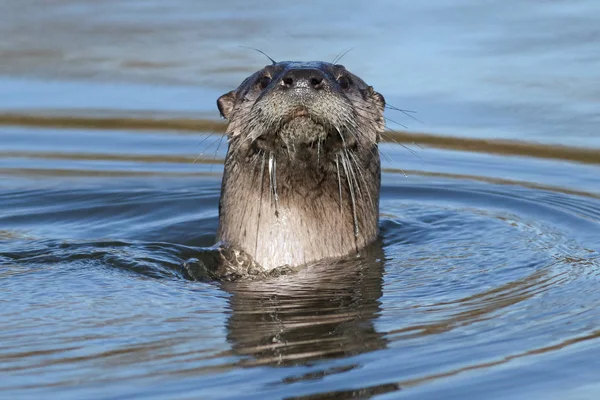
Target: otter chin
<point>302,173</point>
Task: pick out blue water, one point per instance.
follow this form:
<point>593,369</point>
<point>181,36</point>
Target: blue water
<point>485,283</point>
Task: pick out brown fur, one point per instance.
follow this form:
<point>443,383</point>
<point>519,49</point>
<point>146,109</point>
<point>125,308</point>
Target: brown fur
<point>302,173</point>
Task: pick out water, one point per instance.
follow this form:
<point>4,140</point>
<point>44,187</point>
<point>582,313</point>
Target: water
<point>485,283</point>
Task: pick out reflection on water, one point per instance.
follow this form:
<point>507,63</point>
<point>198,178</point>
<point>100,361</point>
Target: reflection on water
<point>325,312</point>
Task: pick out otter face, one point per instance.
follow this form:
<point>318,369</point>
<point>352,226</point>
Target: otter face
<point>301,109</point>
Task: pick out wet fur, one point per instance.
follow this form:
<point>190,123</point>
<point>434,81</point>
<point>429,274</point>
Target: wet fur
<point>302,172</point>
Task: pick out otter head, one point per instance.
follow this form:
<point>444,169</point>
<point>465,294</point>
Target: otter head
<point>299,108</point>
<point>302,174</point>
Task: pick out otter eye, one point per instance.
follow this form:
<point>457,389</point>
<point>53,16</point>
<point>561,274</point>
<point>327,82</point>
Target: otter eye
<point>344,82</point>
<point>264,81</point>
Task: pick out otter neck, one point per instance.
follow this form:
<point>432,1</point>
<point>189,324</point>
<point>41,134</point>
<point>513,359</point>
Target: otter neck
<point>287,211</point>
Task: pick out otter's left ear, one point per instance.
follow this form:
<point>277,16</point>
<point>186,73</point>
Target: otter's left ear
<point>379,100</point>
<point>226,103</point>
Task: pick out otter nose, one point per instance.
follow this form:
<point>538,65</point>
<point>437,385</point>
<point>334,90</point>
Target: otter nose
<point>303,78</point>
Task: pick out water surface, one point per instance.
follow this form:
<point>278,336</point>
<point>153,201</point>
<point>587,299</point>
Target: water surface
<point>485,283</point>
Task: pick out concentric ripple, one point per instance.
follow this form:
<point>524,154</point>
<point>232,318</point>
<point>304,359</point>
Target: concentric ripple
<point>468,277</point>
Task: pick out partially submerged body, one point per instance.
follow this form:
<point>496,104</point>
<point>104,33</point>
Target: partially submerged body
<point>302,172</point>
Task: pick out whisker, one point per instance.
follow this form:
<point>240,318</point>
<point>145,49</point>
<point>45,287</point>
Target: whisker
<point>341,55</point>
<point>275,186</point>
<point>353,174</point>
<point>395,122</point>
<point>219,137</point>
<point>352,194</point>
<point>262,172</point>
<point>248,139</point>
<point>205,138</point>
<point>273,181</point>
<point>341,136</point>
<point>408,113</point>
<point>261,52</point>
<point>387,158</point>
<point>318,151</point>
<point>239,143</point>
<point>337,165</point>
<point>218,147</point>
<point>255,161</point>
<point>216,151</point>
<point>413,152</point>
<point>364,181</point>
<point>391,107</point>
<point>390,162</point>
<point>211,145</point>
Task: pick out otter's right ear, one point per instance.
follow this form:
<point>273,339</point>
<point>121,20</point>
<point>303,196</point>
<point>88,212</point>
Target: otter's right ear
<point>226,103</point>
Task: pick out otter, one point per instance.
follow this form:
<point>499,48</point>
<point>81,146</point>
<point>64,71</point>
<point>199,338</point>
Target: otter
<point>302,172</point>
